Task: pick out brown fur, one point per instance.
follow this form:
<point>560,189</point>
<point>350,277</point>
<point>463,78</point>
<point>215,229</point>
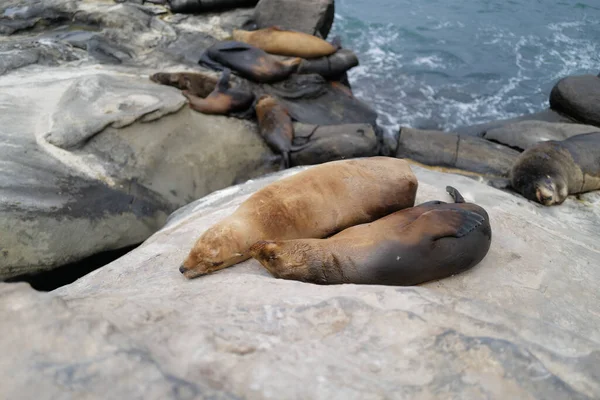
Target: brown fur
<point>311,204</point>
<point>286,43</point>
<point>275,126</point>
<point>408,247</point>
<point>196,84</point>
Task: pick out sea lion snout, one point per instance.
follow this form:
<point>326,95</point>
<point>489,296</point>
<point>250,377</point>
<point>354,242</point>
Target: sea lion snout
<point>182,269</point>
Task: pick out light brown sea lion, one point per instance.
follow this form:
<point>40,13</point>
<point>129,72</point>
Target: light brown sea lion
<point>222,100</point>
<point>415,245</point>
<point>276,128</point>
<point>195,83</point>
<point>248,61</point>
<point>314,203</point>
<point>286,43</point>
<point>549,171</point>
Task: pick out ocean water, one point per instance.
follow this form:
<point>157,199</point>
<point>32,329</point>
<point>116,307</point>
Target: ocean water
<point>440,64</point>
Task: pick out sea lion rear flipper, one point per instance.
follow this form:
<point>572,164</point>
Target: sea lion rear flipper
<point>206,61</point>
<point>445,223</point>
<point>455,194</point>
<point>336,42</point>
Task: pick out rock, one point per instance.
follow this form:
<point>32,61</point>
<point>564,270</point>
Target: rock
<point>333,142</point>
<point>518,325</point>
<point>450,150</point>
<point>522,135</point>
<point>47,52</point>
<point>201,6</point>
<point>314,17</point>
<point>545,116</point>
<point>578,97</point>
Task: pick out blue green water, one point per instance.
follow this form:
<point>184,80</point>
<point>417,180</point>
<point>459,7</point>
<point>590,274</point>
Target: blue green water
<point>447,63</point>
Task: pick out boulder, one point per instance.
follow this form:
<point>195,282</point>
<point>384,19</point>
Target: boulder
<point>314,17</point>
<point>578,97</point>
<point>518,325</point>
<point>522,135</point>
<point>451,150</point>
<point>547,115</point>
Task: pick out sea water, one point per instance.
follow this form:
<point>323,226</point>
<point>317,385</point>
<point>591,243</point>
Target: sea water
<point>440,64</point>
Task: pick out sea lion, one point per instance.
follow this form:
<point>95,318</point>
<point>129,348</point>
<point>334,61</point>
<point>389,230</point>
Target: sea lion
<point>549,171</point>
<point>276,128</point>
<point>415,245</point>
<point>275,40</point>
<point>248,61</point>
<point>314,203</point>
<point>331,67</point>
<point>197,84</point>
<point>222,100</point>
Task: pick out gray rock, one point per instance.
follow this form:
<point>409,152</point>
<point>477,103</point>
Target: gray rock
<point>545,116</point>
<point>578,97</point>
<point>450,150</point>
<point>522,135</point>
<point>314,17</point>
<point>518,325</point>
<point>333,142</point>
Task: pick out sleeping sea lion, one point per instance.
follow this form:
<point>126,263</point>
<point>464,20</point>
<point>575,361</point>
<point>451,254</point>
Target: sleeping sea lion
<point>314,203</point>
<point>197,84</point>
<point>248,61</point>
<point>415,245</point>
<point>275,40</point>
<point>549,171</point>
<point>222,100</point>
<point>276,128</point>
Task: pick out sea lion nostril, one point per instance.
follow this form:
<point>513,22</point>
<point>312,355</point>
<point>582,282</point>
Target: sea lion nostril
<point>182,269</point>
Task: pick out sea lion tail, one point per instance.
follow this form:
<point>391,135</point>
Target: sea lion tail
<point>455,194</point>
<point>336,42</point>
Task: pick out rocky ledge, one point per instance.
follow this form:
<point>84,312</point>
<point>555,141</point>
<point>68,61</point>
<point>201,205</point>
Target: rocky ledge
<point>521,324</point>
<point>95,155</point>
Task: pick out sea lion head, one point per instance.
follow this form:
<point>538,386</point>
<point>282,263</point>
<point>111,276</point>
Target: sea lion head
<point>549,190</point>
<point>217,248</point>
<point>293,259</point>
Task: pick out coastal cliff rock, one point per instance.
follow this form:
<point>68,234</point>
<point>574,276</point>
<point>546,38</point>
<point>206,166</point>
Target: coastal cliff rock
<point>95,155</point>
<point>314,17</point>
<point>578,97</point>
<point>518,325</point>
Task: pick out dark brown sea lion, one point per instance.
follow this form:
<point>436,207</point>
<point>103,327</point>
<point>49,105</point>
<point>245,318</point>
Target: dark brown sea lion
<point>314,203</point>
<point>275,40</point>
<point>276,128</point>
<point>331,67</point>
<point>549,171</point>
<point>222,100</point>
<point>197,84</point>
<point>248,61</point>
<point>419,244</point>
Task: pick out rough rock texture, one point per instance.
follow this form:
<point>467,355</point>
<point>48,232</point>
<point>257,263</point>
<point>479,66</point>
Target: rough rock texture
<point>519,325</point>
<point>522,135</point>
<point>314,17</point>
<point>578,97</point>
<point>95,155</point>
<point>545,116</point>
<point>451,150</point>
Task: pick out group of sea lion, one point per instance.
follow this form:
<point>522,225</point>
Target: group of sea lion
<point>350,221</point>
<point>551,170</point>
<point>250,55</point>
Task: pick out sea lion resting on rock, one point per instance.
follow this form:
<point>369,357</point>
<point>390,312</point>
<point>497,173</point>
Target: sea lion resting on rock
<point>248,61</point>
<point>222,100</point>
<point>431,241</point>
<point>314,203</point>
<point>197,84</point>
<point>549,171</point>
<point>276,128</point>
<point>275,40</point>
<point>331,67</point>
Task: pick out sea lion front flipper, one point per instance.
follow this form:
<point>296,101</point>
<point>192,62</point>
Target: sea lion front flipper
<point>445,223</point>
<point>223,82</point>
<point>458,198</point>
<point>208,62</point>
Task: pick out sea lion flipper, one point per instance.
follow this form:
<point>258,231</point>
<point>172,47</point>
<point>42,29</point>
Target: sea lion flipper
<point>458,198</point>
<point>336,42</point>
<point>446,223</point>
<point>223,82</point>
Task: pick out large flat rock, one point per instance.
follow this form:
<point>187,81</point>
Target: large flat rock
<point>521,324</point>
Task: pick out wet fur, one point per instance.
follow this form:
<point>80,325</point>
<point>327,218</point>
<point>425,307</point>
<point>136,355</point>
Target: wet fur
<point>314,203</point>
<point>431,241</point>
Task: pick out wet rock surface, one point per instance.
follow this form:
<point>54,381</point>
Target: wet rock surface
<point>518,325</point>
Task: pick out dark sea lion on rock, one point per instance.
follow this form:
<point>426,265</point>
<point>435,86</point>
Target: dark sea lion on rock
<point>195,83</point>
<point>222,100</point>
<point>549,171</point>
<point>248,61</point>
<point>276,128</point>
<point>330,67</point>
<point>431,241</point>
<point>287,43</point>
<point>314,203</point>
